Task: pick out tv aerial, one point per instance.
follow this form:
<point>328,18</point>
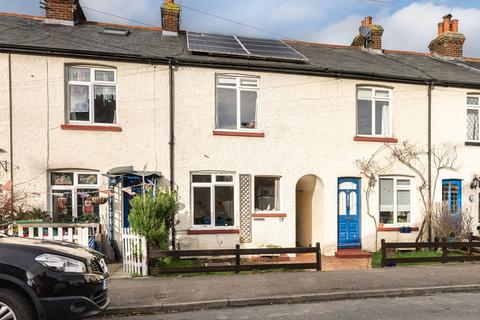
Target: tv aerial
<point>367,34</point>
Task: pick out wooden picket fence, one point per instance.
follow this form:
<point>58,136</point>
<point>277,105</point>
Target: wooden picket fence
<point>135,260</point>
<point>83,234</point>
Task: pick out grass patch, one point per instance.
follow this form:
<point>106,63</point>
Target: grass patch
<point>377,257</point>
<point>174,263</point>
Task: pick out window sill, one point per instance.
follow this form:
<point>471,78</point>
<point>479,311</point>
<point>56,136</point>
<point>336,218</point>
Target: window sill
<point>472,143</point>
<point>375,139</point>
<point>269,215</point>
<point>394,229</point>
<point>213,231</point>
<point>238,134</point>
<point>84,127</point>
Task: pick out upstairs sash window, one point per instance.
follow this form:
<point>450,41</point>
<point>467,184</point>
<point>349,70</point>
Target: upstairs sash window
<point>237,103</point>
<point>374,112</point>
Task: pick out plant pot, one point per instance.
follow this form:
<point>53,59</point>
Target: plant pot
<point>99,200</point>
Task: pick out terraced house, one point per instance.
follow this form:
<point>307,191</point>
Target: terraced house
<point>260,136</point>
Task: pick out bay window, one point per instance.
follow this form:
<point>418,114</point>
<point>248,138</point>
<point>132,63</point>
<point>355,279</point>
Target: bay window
<point>213,200</point>
<point>91,95</point>
<point>72,193</point>
<point>395,200</point>
<point>236,103</point>
<point>473,109</point>
<point>374,112</point>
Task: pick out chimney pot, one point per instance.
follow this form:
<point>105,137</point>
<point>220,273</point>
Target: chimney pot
<point>368,20</point>
<point>446,22</point>
<point>440,28</point>
<point>454,25</point>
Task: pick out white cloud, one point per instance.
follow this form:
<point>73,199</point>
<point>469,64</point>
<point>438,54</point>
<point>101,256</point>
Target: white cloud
<point>410,28</point>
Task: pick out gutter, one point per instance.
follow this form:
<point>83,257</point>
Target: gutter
<point>315,71</point>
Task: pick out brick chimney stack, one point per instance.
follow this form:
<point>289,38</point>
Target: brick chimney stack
<point>66,12</point>
<point>449,42</point>
<point>170,17</point>
<point>375,40</point>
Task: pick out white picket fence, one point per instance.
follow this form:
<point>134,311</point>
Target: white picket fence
<point>69,233</point>
<point>135,259</point>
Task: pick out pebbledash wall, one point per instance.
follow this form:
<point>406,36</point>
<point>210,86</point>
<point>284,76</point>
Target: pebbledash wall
<point>309,125</point>
<point>40,144</point>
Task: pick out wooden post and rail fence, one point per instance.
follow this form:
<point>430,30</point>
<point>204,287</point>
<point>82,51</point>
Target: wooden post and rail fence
<point>469,248</point>
<point>238,266</point>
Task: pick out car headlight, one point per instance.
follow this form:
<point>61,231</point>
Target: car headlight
<point>61,264</point>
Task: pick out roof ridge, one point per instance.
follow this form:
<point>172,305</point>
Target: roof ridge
<point>319,44</point>
<point>115,25</point>
<point>328,45</point>
<point>413,53</point>
<point>472,59</point>
<point>20,15</point>
<point>102,24</point>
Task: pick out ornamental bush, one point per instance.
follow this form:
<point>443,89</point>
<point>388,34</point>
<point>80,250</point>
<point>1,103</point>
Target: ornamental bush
<point>152,215</point>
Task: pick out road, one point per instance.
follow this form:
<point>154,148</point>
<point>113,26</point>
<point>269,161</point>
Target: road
<point>441,306</point>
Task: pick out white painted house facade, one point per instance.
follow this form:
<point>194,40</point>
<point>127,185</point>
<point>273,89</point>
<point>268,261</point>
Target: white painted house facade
<point>263,152</point>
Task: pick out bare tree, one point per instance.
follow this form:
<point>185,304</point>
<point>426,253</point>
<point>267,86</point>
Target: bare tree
<point>370,168</point>
<point>444,157</point>
<point>453,226</point>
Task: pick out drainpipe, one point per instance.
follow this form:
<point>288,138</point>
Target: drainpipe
<point>171,76</point>
<point>10,118</point>
<point>429,112</point>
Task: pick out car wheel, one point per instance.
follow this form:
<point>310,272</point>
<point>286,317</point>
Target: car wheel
<point>14,306</point>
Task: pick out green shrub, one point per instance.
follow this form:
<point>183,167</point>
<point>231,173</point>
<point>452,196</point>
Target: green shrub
<point>152,216</point>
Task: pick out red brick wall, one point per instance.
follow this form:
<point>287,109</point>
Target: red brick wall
<point>69,10</point>
<point>170,20</point>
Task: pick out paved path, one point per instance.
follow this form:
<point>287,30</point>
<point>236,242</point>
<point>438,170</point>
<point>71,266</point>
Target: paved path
<point>438,307</point>
<point>158,291</point>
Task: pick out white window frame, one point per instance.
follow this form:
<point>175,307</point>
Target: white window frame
<point>280,197</point>
<point>73,188</point>
<point>373,100</point>
<point>239,88</point>
<point>212,186</point>
<point>91,86</point>
<point>475,108</point>
<point>395,200</point>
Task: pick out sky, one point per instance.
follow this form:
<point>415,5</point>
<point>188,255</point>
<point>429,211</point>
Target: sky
<point>409,25</point>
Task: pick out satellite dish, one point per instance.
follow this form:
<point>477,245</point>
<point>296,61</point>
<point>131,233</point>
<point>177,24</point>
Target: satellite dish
<point>365,32</point>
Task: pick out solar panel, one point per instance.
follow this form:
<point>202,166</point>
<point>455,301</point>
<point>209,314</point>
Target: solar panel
<point>256,48</point>
<point>270,48</point>
<point>214,44</point>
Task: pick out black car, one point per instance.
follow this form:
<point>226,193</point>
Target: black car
<point>42,279</point>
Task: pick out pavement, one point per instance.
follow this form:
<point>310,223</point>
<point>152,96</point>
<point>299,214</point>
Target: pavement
<point>444,306</point>
<point>176,294</point>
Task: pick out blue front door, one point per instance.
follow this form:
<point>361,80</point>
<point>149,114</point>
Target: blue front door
<point>349,213</point>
